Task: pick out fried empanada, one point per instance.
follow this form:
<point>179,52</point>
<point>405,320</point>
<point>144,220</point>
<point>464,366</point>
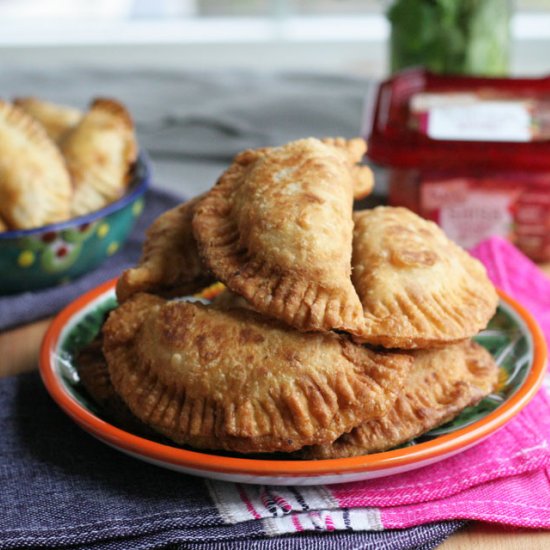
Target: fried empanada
<point>35,188</point>
<point>355,148</point>
<point>56,119</point>
<point>231,379</point>
<point>277,229</point>
<point>418,288</point>
<point>170,264</point>
<point>94,376</point>
<point>100,152</point>
<point>442,382</point>
<point>3,225</point>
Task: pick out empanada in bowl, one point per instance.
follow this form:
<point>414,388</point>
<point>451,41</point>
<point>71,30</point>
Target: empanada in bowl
<point>100,152</point>
<point>56,119</point>
<point>35,188</point>
<point>441,383</point>
<point>418,289</point>
<point>277,229</point>
<point>170,262</point>
<point>233,380</point>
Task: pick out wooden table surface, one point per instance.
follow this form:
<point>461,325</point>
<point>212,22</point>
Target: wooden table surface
<point>19,353</point>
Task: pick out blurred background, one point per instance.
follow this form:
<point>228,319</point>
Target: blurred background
<point>334,35</point>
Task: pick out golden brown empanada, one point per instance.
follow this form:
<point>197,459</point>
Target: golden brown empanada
<point>230,379</point>
<point>94,376</point>
<point>417,287</point>
<point>56,119</point>
<point>100,152</point>
<point>3,225</point>
<point>277,229</point>
<point>442,382</point>
<point>363,178</point>
<point>35,188</point>
<point>170,264</point>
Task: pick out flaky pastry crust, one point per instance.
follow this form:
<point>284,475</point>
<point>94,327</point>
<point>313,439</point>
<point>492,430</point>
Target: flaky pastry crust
<point>35,188</point>
<point>418,288</point>
<point>230,379</point>
<point>442,382</point>
<point>355,149</point>
<point>170,264</point>
<point>277,229</point>
<point>56,119</point>
<point>94,376</point>
<point>100,152</point>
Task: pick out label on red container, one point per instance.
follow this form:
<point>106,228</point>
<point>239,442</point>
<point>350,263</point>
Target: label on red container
<point>484,121</point>
<point>474,117</point>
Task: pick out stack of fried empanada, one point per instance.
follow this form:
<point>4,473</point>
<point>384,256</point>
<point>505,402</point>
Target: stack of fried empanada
<point>338,334</point>
<point>57,163</point>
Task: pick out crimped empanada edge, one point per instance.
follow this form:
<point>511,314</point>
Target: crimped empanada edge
<point>201,422</point>
<point>424,411</point>
<point>196,277</point>
<point>57,209</point>
<point>430,319</point>
<point>297,301</point>
<point>417,325</point>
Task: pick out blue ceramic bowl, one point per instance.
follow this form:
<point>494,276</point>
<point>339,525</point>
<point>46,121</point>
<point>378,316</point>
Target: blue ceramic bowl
<point>54,254</point>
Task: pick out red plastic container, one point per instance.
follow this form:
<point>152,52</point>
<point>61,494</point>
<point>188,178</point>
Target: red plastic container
<point>470,153</point>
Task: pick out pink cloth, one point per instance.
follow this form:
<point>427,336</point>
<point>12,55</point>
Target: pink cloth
<point>504,479</point>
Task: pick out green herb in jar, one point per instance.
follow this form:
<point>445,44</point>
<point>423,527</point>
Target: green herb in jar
<point>451,36</point>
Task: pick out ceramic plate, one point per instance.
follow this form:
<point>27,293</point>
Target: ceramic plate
<point>512,337</point>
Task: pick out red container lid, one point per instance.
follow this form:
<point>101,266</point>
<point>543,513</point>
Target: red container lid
<point>400,140</point>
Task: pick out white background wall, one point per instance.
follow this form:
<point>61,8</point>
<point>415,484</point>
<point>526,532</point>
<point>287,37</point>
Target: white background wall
<point>355,45</point>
